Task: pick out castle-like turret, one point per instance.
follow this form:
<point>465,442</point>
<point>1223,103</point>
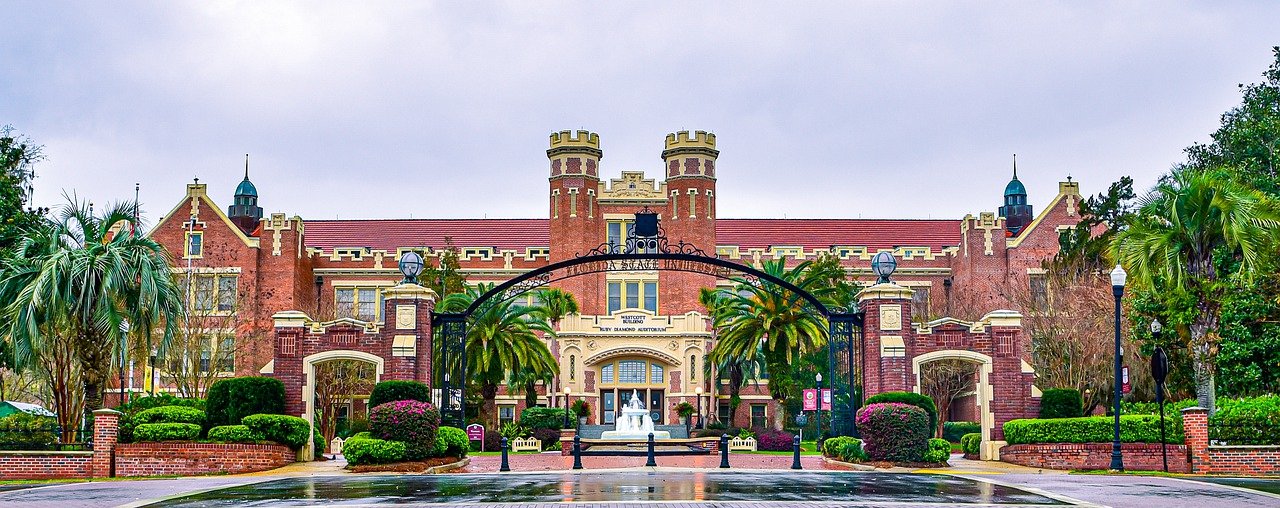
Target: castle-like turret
<point>244,211</point>
<point>576,223</point>
<point>1016,212</point>
<point>689,161</point>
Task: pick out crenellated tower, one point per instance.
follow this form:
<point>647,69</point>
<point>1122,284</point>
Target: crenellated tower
<point>689,162</point>
<point>576,222</point>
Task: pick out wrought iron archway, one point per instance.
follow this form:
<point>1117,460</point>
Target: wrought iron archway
<point>647,248</point>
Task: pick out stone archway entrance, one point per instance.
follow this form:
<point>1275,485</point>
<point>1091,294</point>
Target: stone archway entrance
<point>314,364</point>
<point>982,388</point>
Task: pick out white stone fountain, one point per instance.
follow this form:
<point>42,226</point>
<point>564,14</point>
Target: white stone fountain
<point>634,423</point>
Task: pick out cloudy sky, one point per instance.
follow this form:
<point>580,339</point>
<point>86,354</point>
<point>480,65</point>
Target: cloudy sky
<point>843,109</point>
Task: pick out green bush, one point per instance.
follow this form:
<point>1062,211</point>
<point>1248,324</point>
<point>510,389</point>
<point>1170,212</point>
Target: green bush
<point>581,408</point>
<point>894,431</point>
<point>1091,429</point>
<point>939,451</point>
<point>170,414</point>
<point>914,399</point>
<point>234,434</point>
<point>1250,421</point>
<point>287,430</point>
<point>22,431</point>
<point>953,431</point>
<point>166,432</point>
<point>848,449</point>
<point>451,442</point>
<point>971,443</point>
<point>163,399</point>
<point>411,422</point>
<point>1171,408</point>
<point>230,400</point>
<point>318,444</point>
<point>514,430</point>
<point>543,418</point>
<point>363,449</point>
<point>1061,403</point>
<point>391,391</point>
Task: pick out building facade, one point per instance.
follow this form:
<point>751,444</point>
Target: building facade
<point>637,332</point>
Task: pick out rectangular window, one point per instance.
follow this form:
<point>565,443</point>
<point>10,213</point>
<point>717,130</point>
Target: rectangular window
<point>206,354</point>
<point>606,374</point>
<point>631,371</point>
<point>1039,291</point>
<point>633,295</point>
<point>655,374</point>
<point>204,294</point>
<point>615,296</point>
<point>226,293</point>
<point>368,304</point>
<point>920,304</point>
<point>722,411</point>
<point>226,354</point>
<point>758,417</point>
<point>364,304</point>
<point>651,297</point>
<point>615,234</point>
<point>195,244</point>
<point>344,302</point>
<point>506,414</point>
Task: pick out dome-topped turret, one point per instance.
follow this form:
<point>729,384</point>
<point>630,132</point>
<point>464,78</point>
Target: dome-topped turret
<point>244,210</point>
<point>1016,212</point>
<point>1015,187</point>
<point>246,187</point>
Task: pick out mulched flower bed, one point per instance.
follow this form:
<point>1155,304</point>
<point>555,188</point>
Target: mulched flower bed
<point>403,467</point>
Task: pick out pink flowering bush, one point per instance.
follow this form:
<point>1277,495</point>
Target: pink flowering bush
<point>894,431</point>
<point>411,422</point>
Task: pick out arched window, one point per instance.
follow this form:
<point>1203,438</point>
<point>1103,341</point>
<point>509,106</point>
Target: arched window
<point>573,366</point>
<point>693,367</point>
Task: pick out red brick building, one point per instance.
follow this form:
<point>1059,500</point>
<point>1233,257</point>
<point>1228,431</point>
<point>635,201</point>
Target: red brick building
<point>641,331</point>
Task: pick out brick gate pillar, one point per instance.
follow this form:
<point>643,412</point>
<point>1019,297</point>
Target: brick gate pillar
<point>888,339</point>
<point>408,331</point>
<point>106,431</point>
<point>1195,429</point>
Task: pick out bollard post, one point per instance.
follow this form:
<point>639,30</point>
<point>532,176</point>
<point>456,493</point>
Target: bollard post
<point>577,452</point>
<point>651,462</point>
<point>795,452</point>
<point>724,451</point>
<point>505,467</point>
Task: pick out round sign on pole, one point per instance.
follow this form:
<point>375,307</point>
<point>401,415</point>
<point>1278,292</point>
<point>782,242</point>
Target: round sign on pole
<point>802,419</point>
<point>1159,365</point>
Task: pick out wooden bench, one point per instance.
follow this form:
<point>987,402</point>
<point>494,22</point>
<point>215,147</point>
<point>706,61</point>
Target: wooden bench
<point>526,445</point>
<point>748,444</point>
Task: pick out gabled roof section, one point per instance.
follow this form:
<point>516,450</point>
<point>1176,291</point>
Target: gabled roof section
<point>1067,191</point>
<point>824,233</point>
<point>196,196</point>
<point>390,234</point>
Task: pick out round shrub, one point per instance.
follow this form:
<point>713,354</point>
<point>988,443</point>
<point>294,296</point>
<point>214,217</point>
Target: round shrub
<point>953,431</point>
<point>166,432</point>
<point>1061,403</point>
<point>914,399</point>
<point>363,449</point>
<point>230,400</point>
<point>939,451</point>
<point>451,442</point>
<point>411,422</point>
<point>848,449</point>
<point>971,443</point>
<point>170,414</point>
<point>492,440</point>
<point>894,431</point>
<point>391,391</point>
<point>287,430</point>
<point>544,418</point>
<point>550,438</point>
<point>1091,429</point>
<point>234,434</point>
<point>774,441</point>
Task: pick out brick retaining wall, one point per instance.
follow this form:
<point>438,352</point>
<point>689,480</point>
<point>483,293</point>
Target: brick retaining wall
<point>187,458</point>
<point>1137,456</point>
<point>45,465</point>
<point>1234,460</point>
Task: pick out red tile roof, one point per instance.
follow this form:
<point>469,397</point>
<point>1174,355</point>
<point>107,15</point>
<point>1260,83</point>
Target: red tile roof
<point>389,234</point>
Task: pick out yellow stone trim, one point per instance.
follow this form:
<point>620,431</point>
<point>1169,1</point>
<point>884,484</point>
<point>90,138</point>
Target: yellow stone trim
<point>886,291</point>
<point>196,193</point>
<point>1066,190</point>
<point>1002,318</point>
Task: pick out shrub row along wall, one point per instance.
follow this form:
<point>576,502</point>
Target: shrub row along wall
<point>1137,456</point>
<point>183,458</point>
<point>1236,460</point>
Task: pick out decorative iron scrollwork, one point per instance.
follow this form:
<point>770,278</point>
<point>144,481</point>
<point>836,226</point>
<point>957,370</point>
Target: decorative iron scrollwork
<point>526,285</point>
<point>646,245</point>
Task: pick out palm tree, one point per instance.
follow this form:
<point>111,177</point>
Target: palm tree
<point>501,343</point>
<point>553,304</point>
<point>737,370</point>
<point>1171,242</point>
<point>767,322</point>
<point>91,278</point>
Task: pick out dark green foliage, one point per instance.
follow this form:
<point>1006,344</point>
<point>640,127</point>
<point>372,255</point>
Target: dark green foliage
<point>166,432</point>
<point>915,399</point>
<point>684,409</point>
<point>848,449</point>
<point>581,408</point>
<point>1061,403</point>
<point>391,391</point>
<point>1092,429</point>
<point>364,449</point>
<point>353,426</point>
<point>18,155</point>
<point>411,422</point>
<point>170,414</point>
<point>550,438</point>
<point>971,443</point>
<point>1253,421</point>
<point>939,451</point>
<point>543,418</point>
<point>318,445</point>
<point>894,431</point>
<point>22,431</point>
<point>230,400</point>
<point>287,430</point>
<point>953,431</point>
<point>451,442</point>
<point>234,434</point>
<point>159,400</point>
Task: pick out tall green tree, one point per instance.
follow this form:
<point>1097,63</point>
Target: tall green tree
<point>502,343</point>
<point>18,156</point>
<point>1171,242</point>
<point>1248,141</point>
<point>737,371</point>
<point>94,280</point>
<point>553,304</point>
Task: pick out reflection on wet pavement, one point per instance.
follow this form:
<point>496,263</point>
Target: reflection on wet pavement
<point>615,487</point>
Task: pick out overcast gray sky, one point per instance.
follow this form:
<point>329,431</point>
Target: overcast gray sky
<point>868,109</point>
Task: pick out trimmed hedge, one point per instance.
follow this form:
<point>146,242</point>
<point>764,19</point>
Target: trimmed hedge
<point>915,399</point>
<point>166,432</point>
<point>170,414</point>
<point>144,403</point>
<point>411,422</point>
<point>27,431</point>
<point>550,438</point>
<point>364,449</point>
<point>939,451</point>
<point>391,391</point>
<point>894,431</point>
<point>953,431</point>
<point>451,442</point>
<point>1092,429</point>
<point>1061,403</point>
<point>535,418</point>
<point>1251,421</point>
<point>971,443</point>
<point>287,430</point>
<point>231,400</point>
<point>774,441</point>
<point>234,434</point>
<point>848,449</point>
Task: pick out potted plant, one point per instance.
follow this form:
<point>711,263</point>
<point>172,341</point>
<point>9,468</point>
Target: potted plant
<point>582,409</point>
<point>684,410</point>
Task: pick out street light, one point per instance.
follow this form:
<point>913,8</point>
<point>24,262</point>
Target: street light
<point>698,392</point>
<point>1118,277</point>
<point>567,390</point>
<point>818,378</point>
<point>883,264</point>
<point>410,265</point>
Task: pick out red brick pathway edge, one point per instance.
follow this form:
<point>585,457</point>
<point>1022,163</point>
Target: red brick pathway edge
<point>557,462</point>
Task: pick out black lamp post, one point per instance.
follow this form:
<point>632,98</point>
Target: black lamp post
<point>567,390</point>
<point>1118,277</point>
<point>154,354</point>
<point>698,393</point>
<point>818,378</point>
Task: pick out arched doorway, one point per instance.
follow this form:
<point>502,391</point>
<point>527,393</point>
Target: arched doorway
<point>352,363</point>
<point>982,392</point>
<point>628,372</point>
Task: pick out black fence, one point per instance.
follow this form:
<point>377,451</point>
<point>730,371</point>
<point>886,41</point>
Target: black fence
<point>1246,434</point>
<point>46,439</point>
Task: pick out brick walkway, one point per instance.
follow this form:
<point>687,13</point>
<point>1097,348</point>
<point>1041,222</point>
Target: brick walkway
<point>556,462</point>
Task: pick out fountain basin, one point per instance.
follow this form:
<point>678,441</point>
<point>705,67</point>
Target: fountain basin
<point>613,434</point>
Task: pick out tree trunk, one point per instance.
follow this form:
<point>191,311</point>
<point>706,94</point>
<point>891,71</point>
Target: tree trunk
<point>1202,349</point>
<point>531,394</point>
<point>489,409</point>
<point>95,365</point>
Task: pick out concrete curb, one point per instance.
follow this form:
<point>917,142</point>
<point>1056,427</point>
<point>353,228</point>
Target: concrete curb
<point>850,465</point>
<point>445,468</point>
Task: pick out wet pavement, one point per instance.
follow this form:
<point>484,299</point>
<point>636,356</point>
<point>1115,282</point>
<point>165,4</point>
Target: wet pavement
<point>788,488</point>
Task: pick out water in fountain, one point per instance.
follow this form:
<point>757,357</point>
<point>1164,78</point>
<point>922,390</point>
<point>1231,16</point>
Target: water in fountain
<point>634,422</point>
